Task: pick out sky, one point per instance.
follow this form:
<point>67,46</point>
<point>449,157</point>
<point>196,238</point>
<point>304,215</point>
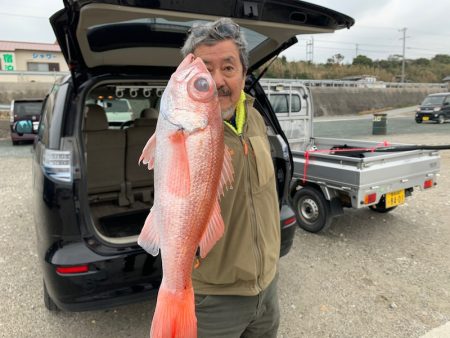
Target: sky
<point>376,33</point>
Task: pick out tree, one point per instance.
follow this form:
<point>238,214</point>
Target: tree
<point>421,62</point>
<point>336,59</point>
<point>442,58</point>
<point>362,60</point>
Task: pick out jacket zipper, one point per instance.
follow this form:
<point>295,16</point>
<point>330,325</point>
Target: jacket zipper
<point>255,248</point>
<point>254,222</point>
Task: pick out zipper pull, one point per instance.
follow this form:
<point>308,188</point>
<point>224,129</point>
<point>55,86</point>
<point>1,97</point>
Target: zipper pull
<point>244,144</point>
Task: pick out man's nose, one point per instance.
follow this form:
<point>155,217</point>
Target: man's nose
<point>218,79</point>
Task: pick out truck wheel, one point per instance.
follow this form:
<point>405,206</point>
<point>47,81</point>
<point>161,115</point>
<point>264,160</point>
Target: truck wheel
<point>441,119</point>
<point>311,209</point>
<point>48,301</point>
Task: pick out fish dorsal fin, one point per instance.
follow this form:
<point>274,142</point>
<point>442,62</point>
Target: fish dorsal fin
<point>226,177</point>
<point>213,231</point>
<point>148,153</point>
<point>179,173</point>
<point>149,237</point>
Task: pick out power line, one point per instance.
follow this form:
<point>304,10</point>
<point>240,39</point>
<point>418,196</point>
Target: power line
<point>24,16</point>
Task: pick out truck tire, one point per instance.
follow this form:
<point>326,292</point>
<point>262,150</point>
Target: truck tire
<point>312,209</point>
<point>48,301</point>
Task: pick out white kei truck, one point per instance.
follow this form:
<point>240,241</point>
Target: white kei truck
<point>330,174</point>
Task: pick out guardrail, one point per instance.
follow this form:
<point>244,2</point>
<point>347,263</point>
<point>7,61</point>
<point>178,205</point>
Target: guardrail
<point>360,84</point>
<point>30,73</point>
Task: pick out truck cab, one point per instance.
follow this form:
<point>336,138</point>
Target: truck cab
<point>292,104</point>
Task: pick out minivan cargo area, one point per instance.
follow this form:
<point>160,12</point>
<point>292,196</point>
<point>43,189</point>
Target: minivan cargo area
<point>119,118</point>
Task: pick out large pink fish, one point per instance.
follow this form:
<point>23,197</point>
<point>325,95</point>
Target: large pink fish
<point>192,167</point>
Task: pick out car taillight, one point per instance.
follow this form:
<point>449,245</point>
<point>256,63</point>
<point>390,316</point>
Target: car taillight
<point>427,184</point>
<point>67,270</point>
<point>289,221</point>
<point>371,198</point>
<point>57,164</point>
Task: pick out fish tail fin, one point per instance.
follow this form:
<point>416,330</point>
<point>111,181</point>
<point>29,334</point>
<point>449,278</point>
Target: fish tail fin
<point>174,314</point>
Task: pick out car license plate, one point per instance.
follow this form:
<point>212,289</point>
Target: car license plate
<point>425,118</point>
<point>395,198</point>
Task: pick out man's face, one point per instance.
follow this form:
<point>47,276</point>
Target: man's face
<point>224,64</point>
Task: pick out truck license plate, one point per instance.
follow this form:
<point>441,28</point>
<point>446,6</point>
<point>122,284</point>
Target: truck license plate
<point>395,198</point>
<point>425,118</point>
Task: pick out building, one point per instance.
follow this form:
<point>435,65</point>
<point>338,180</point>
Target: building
<point>30,62</point>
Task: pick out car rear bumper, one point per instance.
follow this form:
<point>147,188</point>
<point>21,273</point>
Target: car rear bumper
<point>108,282</point>
<point>25,137</point>
<point>288,223</point>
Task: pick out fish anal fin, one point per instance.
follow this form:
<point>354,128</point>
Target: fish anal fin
<point>179,174</point>
<point>213,231</point>
<point>148,153</point>
<point>149,237</point>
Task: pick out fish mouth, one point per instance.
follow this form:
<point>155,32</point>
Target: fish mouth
<point>187,66</point>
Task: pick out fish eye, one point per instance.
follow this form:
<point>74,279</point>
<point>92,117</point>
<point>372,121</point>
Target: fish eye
<point>201,84</point>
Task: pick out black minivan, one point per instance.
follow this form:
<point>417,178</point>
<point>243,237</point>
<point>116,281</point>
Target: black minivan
<point>90,197</point>
<point>435,107</point>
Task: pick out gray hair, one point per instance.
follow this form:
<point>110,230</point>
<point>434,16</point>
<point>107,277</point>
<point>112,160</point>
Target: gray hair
<point>211,33</point>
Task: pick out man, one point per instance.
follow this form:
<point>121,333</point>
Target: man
<point>235,285</point>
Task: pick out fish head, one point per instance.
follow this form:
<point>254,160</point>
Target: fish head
<point>190,101</point>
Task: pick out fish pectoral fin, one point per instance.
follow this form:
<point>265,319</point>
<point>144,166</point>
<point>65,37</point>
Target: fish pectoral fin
<point>148,153</point>
<point>227,175</point>
<point>213,232</point>
<point>179,173</point>
<point>149,237</point>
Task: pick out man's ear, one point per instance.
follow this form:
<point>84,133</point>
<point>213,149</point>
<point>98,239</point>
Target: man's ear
<point>243,80</point>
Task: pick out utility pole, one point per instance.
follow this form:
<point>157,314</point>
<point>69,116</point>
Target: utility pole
<point>357,47</point>
<point>404,48</point>
<point>310,50</point>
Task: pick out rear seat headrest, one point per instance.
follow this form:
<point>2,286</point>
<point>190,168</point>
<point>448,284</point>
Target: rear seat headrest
<point>95,118</point>
<point>149,113</point>
<point>145,122</point>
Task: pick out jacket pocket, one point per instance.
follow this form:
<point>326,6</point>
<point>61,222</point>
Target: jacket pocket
<point>264,164</point>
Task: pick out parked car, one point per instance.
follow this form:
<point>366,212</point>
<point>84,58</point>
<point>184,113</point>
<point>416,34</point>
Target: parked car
<point>90,197</point>
<point>24,109</point>
<point>435,107</point>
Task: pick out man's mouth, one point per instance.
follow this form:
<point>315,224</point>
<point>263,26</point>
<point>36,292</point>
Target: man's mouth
<point>222,91</point>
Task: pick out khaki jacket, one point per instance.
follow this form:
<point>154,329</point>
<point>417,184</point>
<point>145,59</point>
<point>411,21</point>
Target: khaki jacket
<point>244,261</point>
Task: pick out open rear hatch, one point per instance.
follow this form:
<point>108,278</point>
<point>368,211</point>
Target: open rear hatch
<point>108,35</point>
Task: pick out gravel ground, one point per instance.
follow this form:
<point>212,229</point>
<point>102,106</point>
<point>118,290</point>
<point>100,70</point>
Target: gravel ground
<point>4,128</point>
<point>373,275</point>
<point>369,275</point>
